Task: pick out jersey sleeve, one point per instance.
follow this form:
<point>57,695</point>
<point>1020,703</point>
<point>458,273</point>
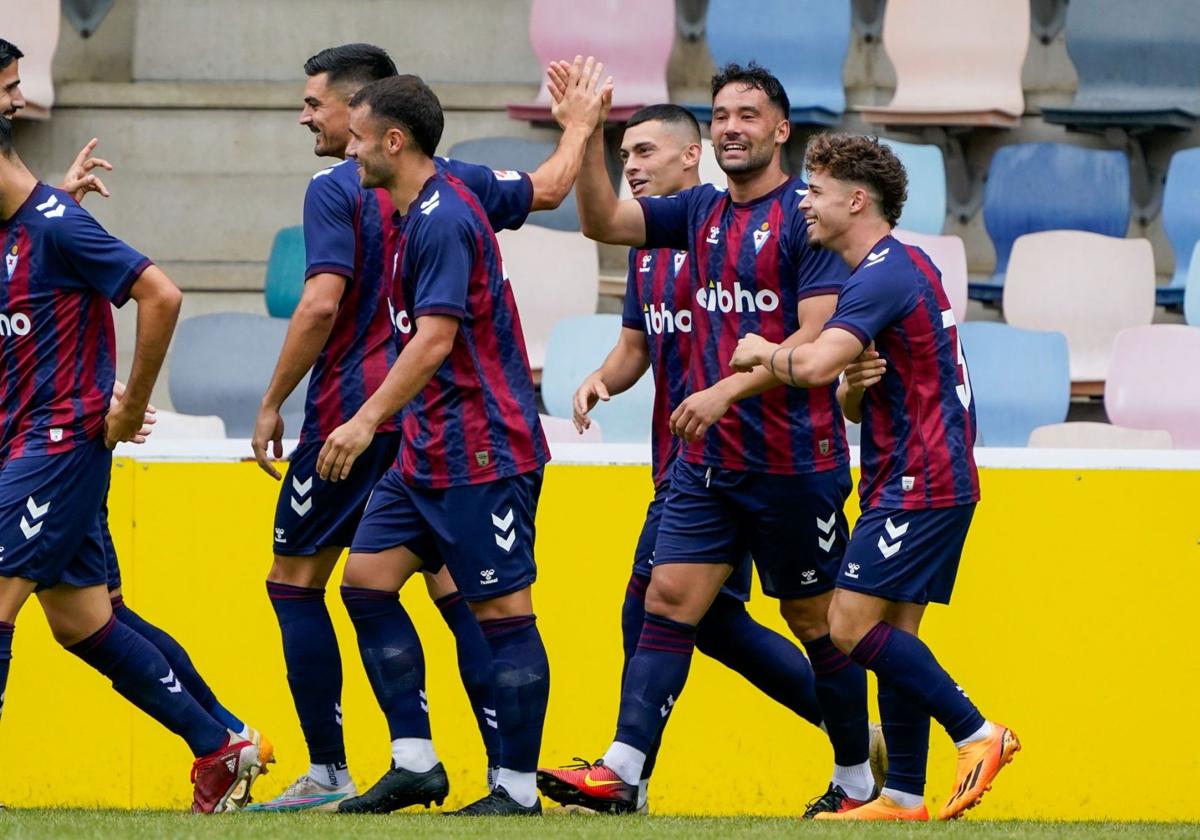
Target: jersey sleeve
<point>330,238</point>
<point>102,261</point>
<point>443,257</point>
<point>869,304</point>
<point>667,219</point>
<point>506,195</point>
<point>631,315</point>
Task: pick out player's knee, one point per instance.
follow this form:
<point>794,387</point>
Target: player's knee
<point>807,621</point>
<point>845,631</point>
<point>668,599</point>
<point>299,571</point>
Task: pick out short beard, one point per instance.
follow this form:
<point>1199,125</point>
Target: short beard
<point>756,161</point>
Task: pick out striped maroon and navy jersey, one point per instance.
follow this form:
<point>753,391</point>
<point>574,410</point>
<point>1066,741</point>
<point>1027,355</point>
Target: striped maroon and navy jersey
<point>477,418</point>
<point>919,420</point>
<point>57,342</point>
<point>750,265</point>
<point>658,302</point>
<point>347,231</point>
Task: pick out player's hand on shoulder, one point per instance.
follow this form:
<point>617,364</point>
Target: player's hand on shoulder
<point>748,353</point>
<point>80,179</point>
<point>865,371</point>
<point>586,396</point>
<point>697,413</point>
<point>342,448</point>
<point>268,432</point>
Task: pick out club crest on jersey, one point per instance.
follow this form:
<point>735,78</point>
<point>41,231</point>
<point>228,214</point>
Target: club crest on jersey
<point>661,320</point>
<point>760,237</point>
<point>647,259</point>
<point>10,261</point>
<point>679,258</point>
<point>717,298</point>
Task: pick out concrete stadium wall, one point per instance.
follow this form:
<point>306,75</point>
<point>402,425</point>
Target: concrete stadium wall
<point>1066,625</point>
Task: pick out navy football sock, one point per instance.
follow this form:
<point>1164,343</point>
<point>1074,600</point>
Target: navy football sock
<point>633,614</point>
<point>842,692</point>
<point>314,668</point>
<point>904,659</point>
<point>179,661</point>
<point>6,637</point>
<point>906,732</point>
<point>475,668</point>
<point>522,687</point>
<point>770,662</point>
<point>142,676</point>
<point>654,680</point>
<point>391,653</point>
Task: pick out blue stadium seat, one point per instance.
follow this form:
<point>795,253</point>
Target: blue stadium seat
<point>1191,294</point>
<point>285,272</point>
<point>1033,187</point>
<point>526,156</point>
<point>1137,67</point>
<point>1020,379</point>
<point>925,209</point>
<point>803,42</point>
<point>577,347</point>
<point>221,364</point>
<point>1181,219</point>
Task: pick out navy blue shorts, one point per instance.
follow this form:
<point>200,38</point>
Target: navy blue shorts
<point>111,564</point>
<point>792,525</point>
<point>738,583</point>
<point>906,555</point>
<point>312,514</point>
<point>52,517</point>
<point>483,533</point>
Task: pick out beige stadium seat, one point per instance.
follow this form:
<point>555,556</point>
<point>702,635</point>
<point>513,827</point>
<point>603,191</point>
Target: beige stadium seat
<point>1087,286</point>
<point>1098,436</point>
<point>33,27</point>
<point>710,170</point>
<point>1154,381</point>
<point>950,256</point>
<point>958,62</point>
<point>562,430</point>
<point>555,274</point>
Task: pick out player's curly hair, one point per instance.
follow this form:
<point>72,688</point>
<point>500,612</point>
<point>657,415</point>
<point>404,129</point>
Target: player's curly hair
<point>753,75</point>
<point>861,160</point>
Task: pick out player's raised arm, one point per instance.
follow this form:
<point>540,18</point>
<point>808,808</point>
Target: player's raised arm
<point>580,102</point>
<point>158,302</point>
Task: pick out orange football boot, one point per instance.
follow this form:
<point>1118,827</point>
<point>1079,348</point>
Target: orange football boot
<point>592,786</point>
<point>881,808</point>
<point>978,764</point>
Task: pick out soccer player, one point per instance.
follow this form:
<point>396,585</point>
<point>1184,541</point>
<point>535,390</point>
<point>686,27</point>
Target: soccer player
<point>919,483</point>
<point>763,469</point>
<point>57,430</point>
<point>342,329</point>
<point>661,153</point>
<point>464,490</point>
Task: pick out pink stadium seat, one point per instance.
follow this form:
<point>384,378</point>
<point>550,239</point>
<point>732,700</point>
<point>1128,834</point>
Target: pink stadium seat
<point>1087,286</point>
<point>554,274</point>
<point>33,27</point>
<point>1154,381</point>
<point>637,60</point>
<point>1097,436</point>
<point>562,430</point>
<point>957,63</point>
<point>950,256</point>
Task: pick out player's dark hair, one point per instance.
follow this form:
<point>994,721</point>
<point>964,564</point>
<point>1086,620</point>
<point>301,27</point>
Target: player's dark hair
<point>409,103</point>
<point>9,52</point>
<point>669,115</point>
<point>752,76</point>
<point>6,137</point>
<point>862,160</point>
<point>357,64</point>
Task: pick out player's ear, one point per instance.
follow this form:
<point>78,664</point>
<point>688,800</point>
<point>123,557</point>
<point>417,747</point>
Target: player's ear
<point>783,131</point>
<point>691,155</point>
<point>395,140</point>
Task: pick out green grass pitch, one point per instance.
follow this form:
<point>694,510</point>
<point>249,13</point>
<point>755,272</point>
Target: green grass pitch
<point>106,825</point>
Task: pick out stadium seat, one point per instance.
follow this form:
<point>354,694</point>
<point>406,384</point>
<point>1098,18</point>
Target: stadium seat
<point>1035,187</point>
<point>1081,435</point>
<point>1154,381</point>
<point>1181,219</point>
<point>1020,380</point>
<point>577,347</point>
<point>170,425</point>
<point>925,208</point>
<point>950,256</point>
<point>963,70</point>
<point>1135,69</point>
<point>554,274</point>
<point>562,430</point>
<point>33,27</point>
<point>221,364</point>
<point>710,170</point>
<point>638,64</point>
<point>1087,286</point>
<point>525,156</point>
<point>284,283</point>
<point>1191,294</point>
<point>803,42</point>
